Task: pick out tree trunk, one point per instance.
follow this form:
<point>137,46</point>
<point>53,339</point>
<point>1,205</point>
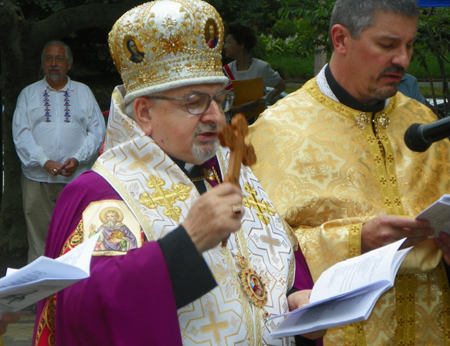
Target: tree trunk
<point>21,43</point>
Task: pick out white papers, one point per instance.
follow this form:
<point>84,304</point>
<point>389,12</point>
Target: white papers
<point>438,214</point>
<point>346,292</point>
<point>45,276</point>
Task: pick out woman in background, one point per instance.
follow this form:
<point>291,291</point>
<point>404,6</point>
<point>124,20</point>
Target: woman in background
<point>239,44</point>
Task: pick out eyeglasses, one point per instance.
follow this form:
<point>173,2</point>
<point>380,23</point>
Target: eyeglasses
<point>198,103</point>
<point>49,58</point>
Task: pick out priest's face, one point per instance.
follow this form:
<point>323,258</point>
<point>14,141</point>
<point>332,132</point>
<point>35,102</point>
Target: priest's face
<point>378,59</point>
<point>184,136</point>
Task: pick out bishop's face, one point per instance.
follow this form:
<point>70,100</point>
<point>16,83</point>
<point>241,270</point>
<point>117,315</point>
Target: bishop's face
<point>184,136</point>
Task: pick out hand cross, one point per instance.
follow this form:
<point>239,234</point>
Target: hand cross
<point>233,137</point>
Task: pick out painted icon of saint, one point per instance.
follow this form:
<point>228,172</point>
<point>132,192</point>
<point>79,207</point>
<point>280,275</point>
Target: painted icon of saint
<point>136,55</point>
<point>211,38</point>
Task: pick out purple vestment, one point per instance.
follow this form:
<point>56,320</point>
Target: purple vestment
<point>127,300</point>
<point>136,307</point>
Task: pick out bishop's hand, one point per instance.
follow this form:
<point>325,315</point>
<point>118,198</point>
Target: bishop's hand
<point>213,216</point>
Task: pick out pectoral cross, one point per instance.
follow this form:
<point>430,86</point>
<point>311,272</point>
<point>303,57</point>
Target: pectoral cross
<point>233,137</point>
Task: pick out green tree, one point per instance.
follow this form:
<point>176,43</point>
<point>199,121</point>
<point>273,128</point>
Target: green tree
<point>261,14</point>
<point>312,19</point>
<point>433,40</point>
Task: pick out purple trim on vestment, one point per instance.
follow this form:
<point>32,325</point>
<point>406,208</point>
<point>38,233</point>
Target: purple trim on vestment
<point>303,279</point>
<point>136,307</point>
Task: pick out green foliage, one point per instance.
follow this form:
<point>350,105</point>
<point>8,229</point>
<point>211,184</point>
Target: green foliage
<point>296,45</point>
<point>260,14</point>
<point>260,51</point>
<point>40,9</point>
<point>283,29</point>
<point>433,41</point>
<point>312,20</point>
<point>292,67</point>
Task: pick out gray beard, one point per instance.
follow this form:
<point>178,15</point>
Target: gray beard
<point>110,224</point>
<point>205,154</point>
<point>200,153</point>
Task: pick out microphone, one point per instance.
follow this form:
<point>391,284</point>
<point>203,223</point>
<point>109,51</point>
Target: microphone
<point>419,137</point>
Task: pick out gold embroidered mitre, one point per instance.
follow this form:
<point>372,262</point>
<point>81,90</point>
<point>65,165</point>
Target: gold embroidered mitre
<point>166,44</point>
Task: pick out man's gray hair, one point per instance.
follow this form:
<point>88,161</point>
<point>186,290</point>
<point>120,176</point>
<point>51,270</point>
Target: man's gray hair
<point>358,15</point>
<point>68,51</point>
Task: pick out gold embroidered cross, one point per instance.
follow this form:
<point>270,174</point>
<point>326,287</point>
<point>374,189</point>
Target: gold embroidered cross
<point>269,240</point>
<point>140,162</point>
<point>261,207</point>
<point>214,327</point>
<point>164,197</point>
<point>315,163</point>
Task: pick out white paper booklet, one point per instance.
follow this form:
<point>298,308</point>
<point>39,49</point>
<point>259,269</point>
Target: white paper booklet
<point>45,276</point>
<point>346,292</point>
<point>438,214</point>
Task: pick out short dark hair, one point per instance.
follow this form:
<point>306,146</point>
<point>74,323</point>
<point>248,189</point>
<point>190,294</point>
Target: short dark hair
<point>357,16</point>
<point>243,34</point>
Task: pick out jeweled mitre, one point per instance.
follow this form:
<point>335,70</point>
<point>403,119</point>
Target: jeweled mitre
<point>165,44</point>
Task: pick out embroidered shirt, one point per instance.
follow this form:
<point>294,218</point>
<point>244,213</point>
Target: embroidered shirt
<point>56,125</point>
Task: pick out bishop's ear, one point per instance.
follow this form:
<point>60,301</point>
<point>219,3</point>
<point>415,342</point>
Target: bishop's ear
<point>142,114</point>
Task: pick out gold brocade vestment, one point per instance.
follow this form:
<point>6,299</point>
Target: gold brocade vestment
<point>327,176</point>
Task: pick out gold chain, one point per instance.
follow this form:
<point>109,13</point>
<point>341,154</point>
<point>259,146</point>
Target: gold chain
<point>252,283</point>
<point>208,174</point>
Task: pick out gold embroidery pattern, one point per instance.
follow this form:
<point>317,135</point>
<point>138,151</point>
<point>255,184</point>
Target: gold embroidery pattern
<point>354,334</point>
<point>261,207</point>
<point>354,241</point>
<point>443,283</point>
<point>164,197</point>
<point>383,155</point>
<point>404,296</point>
<point>75,239</point>
<point>47,321</point>
<point>171,44</point>
<point>214,327</point>
<point>300,121</point>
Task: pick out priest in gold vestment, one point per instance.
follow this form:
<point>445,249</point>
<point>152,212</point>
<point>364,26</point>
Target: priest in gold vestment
<point>333,160</point>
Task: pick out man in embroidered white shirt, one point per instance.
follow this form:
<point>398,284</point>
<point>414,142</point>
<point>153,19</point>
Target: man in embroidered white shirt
<point>57,129</point>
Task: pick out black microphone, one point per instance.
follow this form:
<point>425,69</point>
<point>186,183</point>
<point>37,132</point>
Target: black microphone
<point>419,137</point>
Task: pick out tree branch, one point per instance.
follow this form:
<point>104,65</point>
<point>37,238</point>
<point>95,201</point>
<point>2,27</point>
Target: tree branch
<point>92,15</point>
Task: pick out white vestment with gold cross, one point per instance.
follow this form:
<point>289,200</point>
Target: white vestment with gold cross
<point>160,195</point>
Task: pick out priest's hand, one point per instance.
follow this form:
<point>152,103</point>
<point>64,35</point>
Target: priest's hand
<point>7,318</point>
<point>443,243</point>
<point>299,299</point>
<point>386,229</point>
<point>215,215</point>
